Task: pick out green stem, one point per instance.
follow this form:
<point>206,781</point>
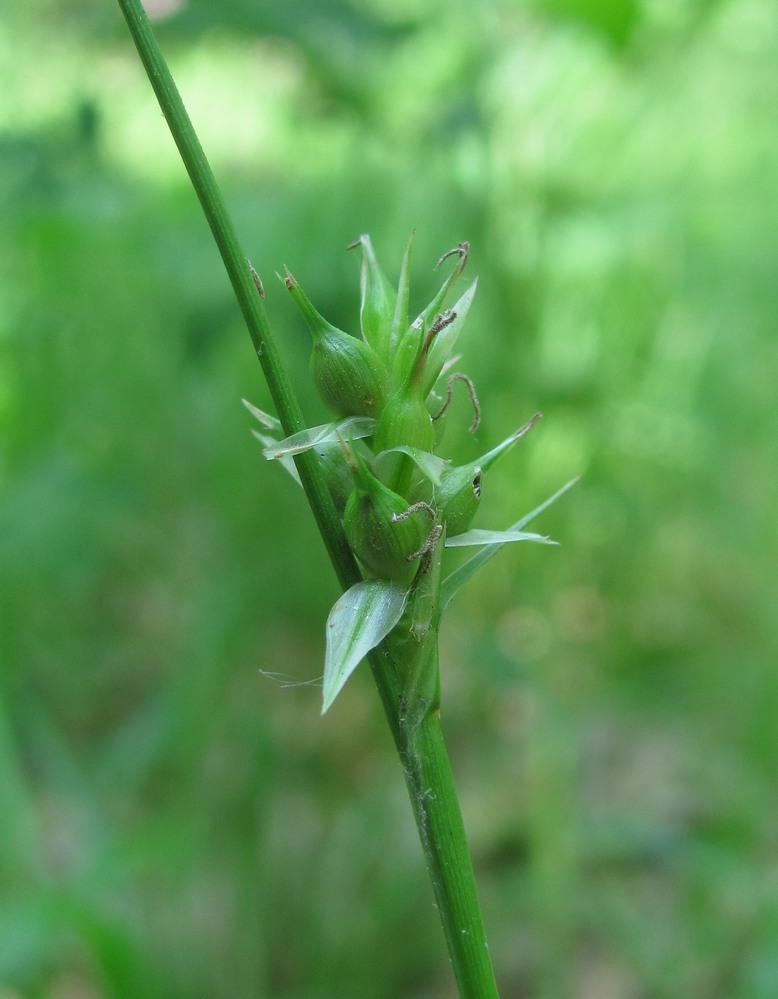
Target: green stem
<point>431,785</point>
<point>439,821</point>
<point>246,292</point>
<point>421,746</point>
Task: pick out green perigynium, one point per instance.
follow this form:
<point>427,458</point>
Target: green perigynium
<point>386,533</point>
<point>459,493</point>
<point>399,500</point>
<point>348,374</point>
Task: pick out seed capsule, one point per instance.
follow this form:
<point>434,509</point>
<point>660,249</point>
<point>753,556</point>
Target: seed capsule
<point>384,533</point>
<point>348,374</point>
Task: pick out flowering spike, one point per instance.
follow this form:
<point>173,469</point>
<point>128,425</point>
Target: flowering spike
<point>400,503</point>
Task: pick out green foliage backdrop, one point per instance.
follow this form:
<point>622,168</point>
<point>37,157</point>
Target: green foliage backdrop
<point>175,823</point>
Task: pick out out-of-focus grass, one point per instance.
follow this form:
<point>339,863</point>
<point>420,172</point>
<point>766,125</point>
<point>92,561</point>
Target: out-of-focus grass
<point>173,823</point>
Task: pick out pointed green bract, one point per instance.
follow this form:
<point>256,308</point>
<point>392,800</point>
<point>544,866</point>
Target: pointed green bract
<point>379,300</point>
<point>444,343</point>
<point>487,460</point>
<point>361,618</point>
<point>411,339</point>
<point>457,579</point>
<point>459,494</point>
<point>477,538</point>
<point>406,353</point>
<point>268,422</point>
<point>459,497</point>
<point>352,428</point>
<point>431,467</point>
<point>400,319</point>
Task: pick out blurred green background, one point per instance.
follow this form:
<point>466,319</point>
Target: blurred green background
<point>175,824</point>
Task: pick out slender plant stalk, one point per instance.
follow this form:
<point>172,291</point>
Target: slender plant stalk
<point>417,733</point>
<point>439,820</point>
<point>433,793</point>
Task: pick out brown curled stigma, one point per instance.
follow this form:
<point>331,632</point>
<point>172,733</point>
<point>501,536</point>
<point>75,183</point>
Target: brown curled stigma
<point>441,322</point>
<point>459,377</point>
<point>426,550</point>
<point>462,249</point>
<point>438,325</point>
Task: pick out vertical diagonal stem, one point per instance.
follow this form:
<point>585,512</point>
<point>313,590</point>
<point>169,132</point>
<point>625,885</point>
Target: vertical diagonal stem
<point>439,821</point>
<point>251,305</point>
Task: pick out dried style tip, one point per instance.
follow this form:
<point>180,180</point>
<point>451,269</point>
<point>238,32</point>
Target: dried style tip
<point>443,346</point>
<point>459,377</point>
<point>409,343</point>
<point>257,280</point>
<point>462,249</point>
<point>428,547</point>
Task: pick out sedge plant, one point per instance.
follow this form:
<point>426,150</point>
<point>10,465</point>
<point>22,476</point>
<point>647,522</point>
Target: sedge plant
<point>386,501</point>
